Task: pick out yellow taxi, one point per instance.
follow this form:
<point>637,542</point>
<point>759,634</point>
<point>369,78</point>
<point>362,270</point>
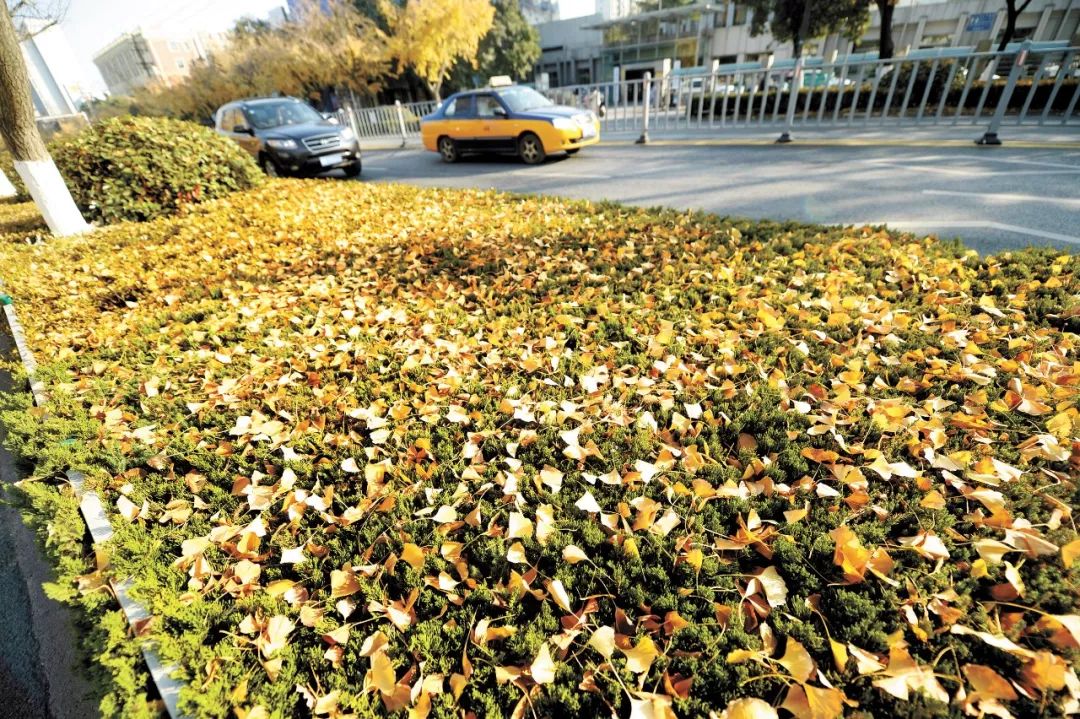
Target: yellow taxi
<point>511,120</point>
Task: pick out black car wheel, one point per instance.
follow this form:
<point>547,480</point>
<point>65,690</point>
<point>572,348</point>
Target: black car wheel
<point>448,149</point>
<point>270,168</point>
<point>531,149</point>
<point>353,170</point>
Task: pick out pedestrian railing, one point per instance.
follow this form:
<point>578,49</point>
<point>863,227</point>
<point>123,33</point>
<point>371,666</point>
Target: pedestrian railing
<point>399,120</point>
<point>1025,84</point>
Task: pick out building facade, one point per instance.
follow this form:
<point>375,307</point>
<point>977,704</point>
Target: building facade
<point>601,49</point>
<point>135,60</point>
<point>52,68</point>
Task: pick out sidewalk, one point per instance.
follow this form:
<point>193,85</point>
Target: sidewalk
<point>1049,136</point>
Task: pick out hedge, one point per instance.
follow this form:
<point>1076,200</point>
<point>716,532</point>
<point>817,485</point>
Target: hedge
<point>139,168</point>
<point>375,450</point>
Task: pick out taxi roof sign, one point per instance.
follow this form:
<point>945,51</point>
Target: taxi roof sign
<point>500,81</point>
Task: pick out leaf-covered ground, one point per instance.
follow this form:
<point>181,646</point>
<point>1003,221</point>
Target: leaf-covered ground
<point>380,450</point>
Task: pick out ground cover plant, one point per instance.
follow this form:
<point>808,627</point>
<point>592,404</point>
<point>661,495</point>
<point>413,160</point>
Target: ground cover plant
<point>373,450</point>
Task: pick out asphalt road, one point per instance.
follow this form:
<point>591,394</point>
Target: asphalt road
<point>992,198</point>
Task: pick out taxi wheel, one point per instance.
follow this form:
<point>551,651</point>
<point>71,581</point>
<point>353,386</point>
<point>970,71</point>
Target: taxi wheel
<point>448,149</point>
<point>531,149</point>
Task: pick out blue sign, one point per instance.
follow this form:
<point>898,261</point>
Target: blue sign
<point>981,22</point>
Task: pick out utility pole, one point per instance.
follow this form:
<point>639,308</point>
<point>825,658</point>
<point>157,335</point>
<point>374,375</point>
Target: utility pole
<point>19,130</point>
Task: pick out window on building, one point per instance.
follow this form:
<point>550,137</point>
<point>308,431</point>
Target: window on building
<point>740,14</point>
<point>931,41</point>
<point>180,65</point>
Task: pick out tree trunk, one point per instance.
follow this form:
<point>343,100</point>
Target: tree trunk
<point>1010,29</point>
<point>885,41</point>
<point>17,124</point>
<point>20,133</point>
<point>1012,14</point>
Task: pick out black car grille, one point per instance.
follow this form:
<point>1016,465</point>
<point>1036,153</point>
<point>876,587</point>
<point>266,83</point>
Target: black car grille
<point>322,143</point>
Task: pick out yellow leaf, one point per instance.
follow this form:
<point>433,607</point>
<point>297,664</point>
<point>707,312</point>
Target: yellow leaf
<point>865,662</point>
<point>516,553</point>
<point>279,587</point>
<point>797,660</point>
<point>988,683</point>
<point>573,554</point>
<point>382,673</point>
<point>768,317</point>
<point>792,516</point>
<point>775,588</point>
<point>560,595</point>
<point>807,702</point>
<point>1070,552</point>
<point>545,523</point>
<point>413,555</point>
<point>840,654</point>
<point>343,583</point>
<point>749,708</point>
<point>640,658</point>
<point>552,478</point>
<point>542,668</point>
<point>603,641</point>
<point>521,527</point>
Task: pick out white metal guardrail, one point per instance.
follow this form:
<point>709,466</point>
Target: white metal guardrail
<point>1025,84</point>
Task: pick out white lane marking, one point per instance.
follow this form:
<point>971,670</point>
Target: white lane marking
<point>969,173</point>
<point>1040,163</point>
<point>1007,197</point>
<point>982,158</point>
<point>559,175</point>
<point>970,224</point>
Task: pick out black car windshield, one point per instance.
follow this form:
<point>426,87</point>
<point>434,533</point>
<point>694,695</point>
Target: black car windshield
<point>523,99</point>
<point>275,114</point>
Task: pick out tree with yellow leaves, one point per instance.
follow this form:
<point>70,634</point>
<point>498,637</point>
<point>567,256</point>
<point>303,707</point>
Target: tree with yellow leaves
<point>431,35</point>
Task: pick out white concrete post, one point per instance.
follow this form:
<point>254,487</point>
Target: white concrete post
<point>6,188</point>
<point>647,85</point>
<point>793,96</point>
<point>43,182</point>
<point>401,121</point>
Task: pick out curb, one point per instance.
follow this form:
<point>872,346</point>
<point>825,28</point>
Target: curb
<point>97,523</point>
<point>825,142</point>
<point>812,142</point>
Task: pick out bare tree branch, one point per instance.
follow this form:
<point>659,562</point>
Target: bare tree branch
<point>43,14</point>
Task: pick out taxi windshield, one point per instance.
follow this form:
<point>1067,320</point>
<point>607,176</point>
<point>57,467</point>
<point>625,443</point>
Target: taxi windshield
<point>523,99</point>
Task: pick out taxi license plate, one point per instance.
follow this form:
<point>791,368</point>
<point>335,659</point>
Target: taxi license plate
<point>327,160</point>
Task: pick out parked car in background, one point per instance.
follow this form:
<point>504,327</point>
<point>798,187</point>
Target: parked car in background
<point>511,120</point>
<point>288,137</point>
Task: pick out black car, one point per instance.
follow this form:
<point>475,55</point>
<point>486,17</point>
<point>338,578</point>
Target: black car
<point>288,137</point>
